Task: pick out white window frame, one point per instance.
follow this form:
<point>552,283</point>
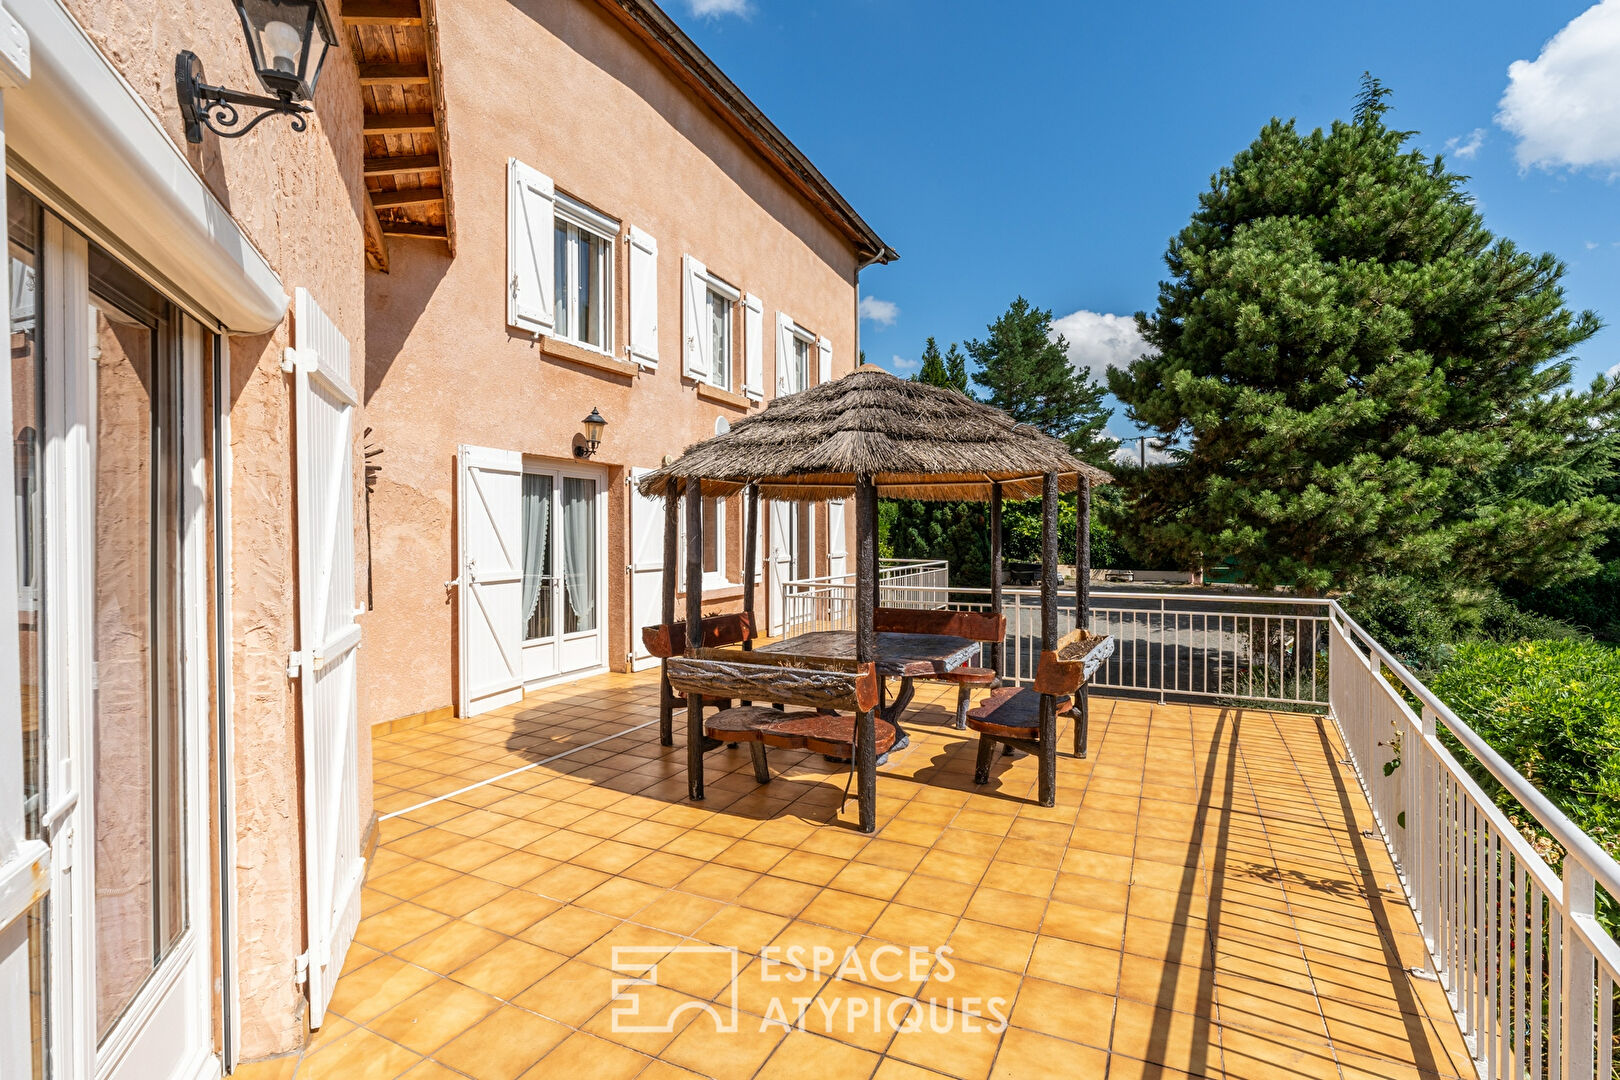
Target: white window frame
<point>581,218</point>
<point>717,363</point>
<point>712,579</point>
<point>800,335</point>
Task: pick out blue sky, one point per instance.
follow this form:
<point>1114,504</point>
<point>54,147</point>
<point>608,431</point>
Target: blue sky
<point>1051,148</point>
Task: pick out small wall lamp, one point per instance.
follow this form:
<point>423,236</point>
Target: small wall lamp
<point>593,434</point>
<point>288,40</point>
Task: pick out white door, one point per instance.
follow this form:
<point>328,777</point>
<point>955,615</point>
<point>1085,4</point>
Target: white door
<point>329,643</point>
<point>490,483</point>
<point>780,564</point>
<point>646,568</point>
<point>563,543</point>
<point>837,557</point>
<point>116,670</point>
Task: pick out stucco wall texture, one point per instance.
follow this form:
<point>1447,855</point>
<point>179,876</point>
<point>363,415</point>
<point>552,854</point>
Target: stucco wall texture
<point>298,198</point>
<point>562,88</point>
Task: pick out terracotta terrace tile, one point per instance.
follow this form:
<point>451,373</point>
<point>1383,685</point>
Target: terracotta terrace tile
<point>1197,904</point>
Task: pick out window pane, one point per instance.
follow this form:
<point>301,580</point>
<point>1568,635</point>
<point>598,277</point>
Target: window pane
<point>38,987</point>
<point>801,363</point>
<point>720,335</point>
<point>579,554</point>
<point>592,280</point>
<point>561,284</point>
<point>27,422</point>
<point>137,791</point>
<point>537,576</point>
<point>711,536</point>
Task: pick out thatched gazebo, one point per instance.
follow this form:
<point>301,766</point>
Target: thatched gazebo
<point>870,435</point>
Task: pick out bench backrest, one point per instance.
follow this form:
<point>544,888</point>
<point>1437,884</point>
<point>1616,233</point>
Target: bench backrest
<point>973,625</point>
<point>669,639</point>
<point>1063,669</point>
<point>814,682</point>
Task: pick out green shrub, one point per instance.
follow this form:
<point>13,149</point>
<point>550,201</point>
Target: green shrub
<point>1552,709</point>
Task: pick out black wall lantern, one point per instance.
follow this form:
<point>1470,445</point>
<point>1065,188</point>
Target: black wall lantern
<point>289,40</point>
<point>593,434</point>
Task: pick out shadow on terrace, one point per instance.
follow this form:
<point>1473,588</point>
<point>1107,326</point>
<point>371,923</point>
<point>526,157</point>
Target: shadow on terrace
<point>1203,900</point>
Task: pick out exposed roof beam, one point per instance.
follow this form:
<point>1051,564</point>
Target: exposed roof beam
<point>384,200</point>
<point>413,228</point>
<point>382,12</point>
<point>402,164</point>
<point>398,123</point>
<point>392,74</point>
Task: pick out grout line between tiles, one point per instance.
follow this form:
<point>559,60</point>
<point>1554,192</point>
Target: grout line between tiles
<point>518,770</point>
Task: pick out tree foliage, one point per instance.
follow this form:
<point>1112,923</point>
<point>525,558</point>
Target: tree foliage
<point>1358,378</point>
<point>1028,376</point>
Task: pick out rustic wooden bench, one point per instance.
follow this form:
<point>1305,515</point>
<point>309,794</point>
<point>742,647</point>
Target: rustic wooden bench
<point>1026,718</point>
<point>818,684</point>
<point>973,625</point>
<point>667,640</point>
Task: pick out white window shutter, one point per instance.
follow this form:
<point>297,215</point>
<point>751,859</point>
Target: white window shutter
<point>695,315</point>
<point>531,292</point>
<point>643,298</point>
<point>784,356</point>
<point>825,346</point>
<point>753,347</point>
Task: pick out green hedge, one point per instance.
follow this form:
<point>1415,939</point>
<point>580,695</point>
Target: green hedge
<point>1552,709</point>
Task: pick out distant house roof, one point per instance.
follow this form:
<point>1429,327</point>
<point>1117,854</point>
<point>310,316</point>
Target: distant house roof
<point>648,22</point>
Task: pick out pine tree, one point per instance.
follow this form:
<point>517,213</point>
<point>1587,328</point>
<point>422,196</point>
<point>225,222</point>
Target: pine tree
<point>942,530</point>
<point>1360,380</point>
<point>1028,375</point>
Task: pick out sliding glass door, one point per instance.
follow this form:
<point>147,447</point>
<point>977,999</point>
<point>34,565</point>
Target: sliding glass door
<point>112,600</point>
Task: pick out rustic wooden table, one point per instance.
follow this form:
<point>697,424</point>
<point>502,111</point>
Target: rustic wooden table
<point>907,657</point>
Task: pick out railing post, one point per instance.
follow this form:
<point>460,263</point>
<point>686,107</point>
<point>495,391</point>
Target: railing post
<point>1578,980</point>
<point>1161,651</point>
<point>1422,826</point>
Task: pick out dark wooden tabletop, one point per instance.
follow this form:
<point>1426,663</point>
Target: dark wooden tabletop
<point>905,655</point>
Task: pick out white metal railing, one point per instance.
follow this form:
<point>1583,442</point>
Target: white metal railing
<point>1517,945</point>
<point>1272,650</point>
<point>905,583</point>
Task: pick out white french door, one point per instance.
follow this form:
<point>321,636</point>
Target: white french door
<point>110,392</point>
<point>490,483</point>
<point>792,540</point>
<point>563,537</point>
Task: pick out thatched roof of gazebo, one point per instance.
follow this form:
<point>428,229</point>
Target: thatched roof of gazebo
<point>916,440</point>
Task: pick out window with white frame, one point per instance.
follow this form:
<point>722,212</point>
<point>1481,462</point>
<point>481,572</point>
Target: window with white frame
<point>711,308</point>
<point>720,303</point>
<point>714,546</point>
<point>583,249</point>
<point>803,343</point>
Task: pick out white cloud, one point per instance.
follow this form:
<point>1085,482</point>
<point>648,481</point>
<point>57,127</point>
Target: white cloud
<point>900,363</point>
<point>1130,450</point>
<point>709,9</point>
<point>1564,105</point>
<point>1466,146</point>
<point>1614,372</point>
<point>882,312</point>
<point>1097,340</point>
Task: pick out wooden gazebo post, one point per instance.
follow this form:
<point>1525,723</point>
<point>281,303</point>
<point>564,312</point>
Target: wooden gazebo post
<point>1082,606</point>
<point>1047,783</point>
<point>672,522</point>
<point>866,645</point>
<point>694,632</point>
<point>998,650</point>
<point>750,557</point>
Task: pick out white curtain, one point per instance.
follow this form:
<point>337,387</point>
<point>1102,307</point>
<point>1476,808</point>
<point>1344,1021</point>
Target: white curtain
<point>536,532</point>
<point>579,550</point>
